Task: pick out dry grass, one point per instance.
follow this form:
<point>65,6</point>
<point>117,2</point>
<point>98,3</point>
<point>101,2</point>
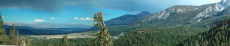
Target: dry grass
<point>71,35</point>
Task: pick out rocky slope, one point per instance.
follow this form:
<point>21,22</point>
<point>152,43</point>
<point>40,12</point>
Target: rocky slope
<point>187,15</point>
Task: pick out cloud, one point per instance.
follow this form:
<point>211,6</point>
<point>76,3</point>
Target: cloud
<point>2,16</point>
<point>47,5</point>
<point>75,18</point>
<point>87,18</point>
<point>52,18</point>
<point>52,5</point>
<point>38,20</point>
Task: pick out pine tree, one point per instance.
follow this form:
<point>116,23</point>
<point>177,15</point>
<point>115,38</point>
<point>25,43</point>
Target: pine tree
<point>50,44</point>
<point>65,41</point>
<point>3,38</point>
<point>1,21</point>
<point>103,37</point>
<point>12,35</point>
<point>27,42</point>
<point>2,30</point>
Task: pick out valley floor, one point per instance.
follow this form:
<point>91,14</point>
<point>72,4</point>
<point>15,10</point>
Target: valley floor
<point>71,35</point>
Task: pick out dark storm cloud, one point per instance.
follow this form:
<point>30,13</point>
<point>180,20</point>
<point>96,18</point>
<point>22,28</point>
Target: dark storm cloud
<point>35,4</point>
<point>125,5</point>
<point>48,5</point>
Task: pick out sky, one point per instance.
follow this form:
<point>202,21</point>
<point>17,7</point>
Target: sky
<point>82,11</point>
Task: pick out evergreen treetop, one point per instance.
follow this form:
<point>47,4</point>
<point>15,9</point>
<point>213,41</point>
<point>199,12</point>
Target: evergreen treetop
<point>103,37</point>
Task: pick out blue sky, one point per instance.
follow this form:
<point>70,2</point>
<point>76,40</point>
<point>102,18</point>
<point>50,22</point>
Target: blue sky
<point>81,11</point>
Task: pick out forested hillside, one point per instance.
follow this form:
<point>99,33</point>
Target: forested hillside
<point>172,36</point>
<point>216,36</point>
<point>158,37</point>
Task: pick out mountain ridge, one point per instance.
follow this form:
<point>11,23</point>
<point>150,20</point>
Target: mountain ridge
<point>185,15</point>
<point>127,19</point>
<point>203,16</point>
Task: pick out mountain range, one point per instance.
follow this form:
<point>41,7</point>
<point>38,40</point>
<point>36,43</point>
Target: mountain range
<point>205,16</point>
<point>179,15</point>
<point>187,15</point>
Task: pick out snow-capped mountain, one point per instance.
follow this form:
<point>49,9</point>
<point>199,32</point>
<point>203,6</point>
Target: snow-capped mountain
<point>187,15</point>
<point>214,9</point>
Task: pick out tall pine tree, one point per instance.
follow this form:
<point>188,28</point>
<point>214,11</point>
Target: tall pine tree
<point>12,35</point>
<point>1,21</point>
<point>65,41</point>
<point>3,38</point>
<point>103,37</point>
